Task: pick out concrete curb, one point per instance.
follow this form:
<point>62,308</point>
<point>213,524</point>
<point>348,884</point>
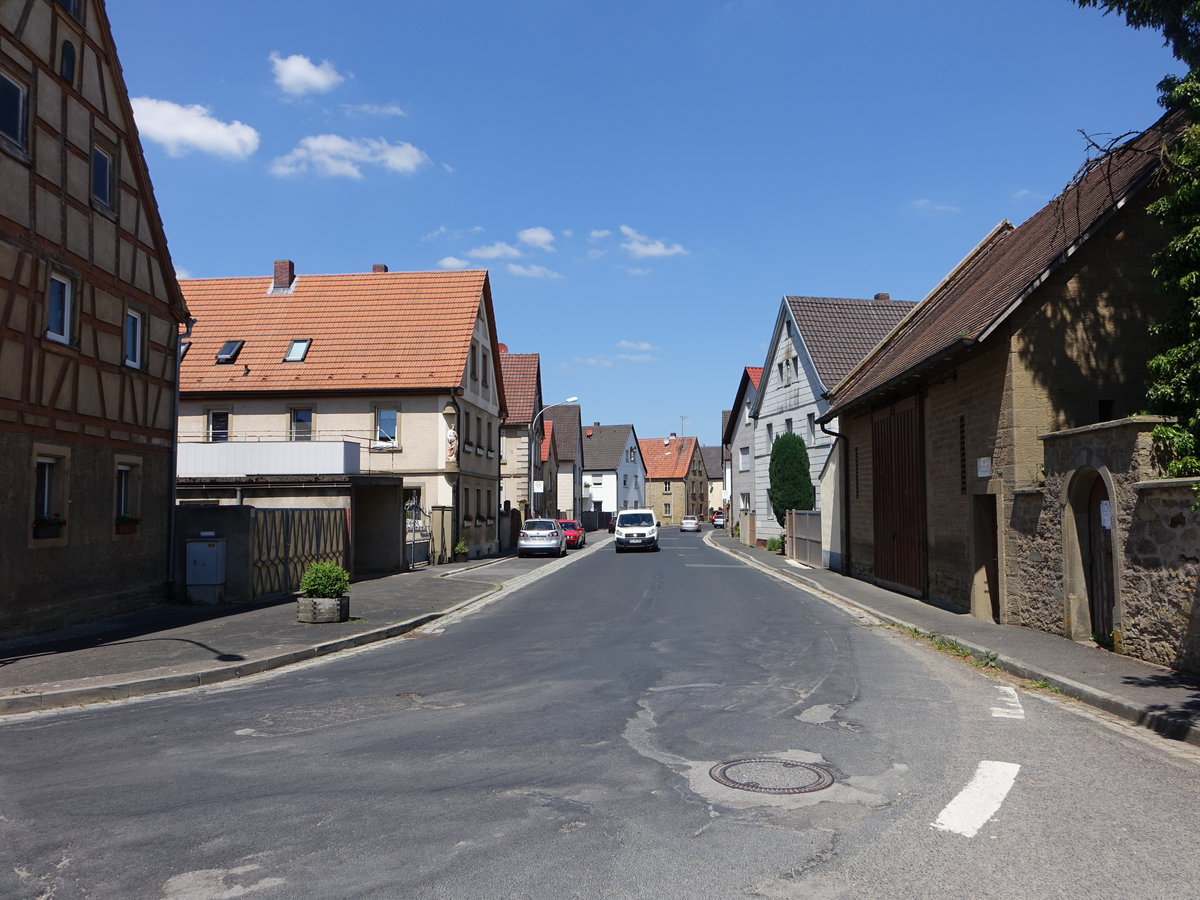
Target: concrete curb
<point>1155,721</point>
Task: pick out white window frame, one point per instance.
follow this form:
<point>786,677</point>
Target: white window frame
<point>22,96</point>
<point>381,436</point>
<point>224,432</point>
<point>743,459</point>
<point>135,338</point>
<point>297,350</point>
<point>68,308</point>
<point>109,175</point>
<point>300,431</point>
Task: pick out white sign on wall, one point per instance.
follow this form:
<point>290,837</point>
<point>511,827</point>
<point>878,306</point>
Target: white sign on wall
<point>1106,514</point>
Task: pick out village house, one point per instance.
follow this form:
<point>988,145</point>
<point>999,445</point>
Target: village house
<point>88,340</point>
<point>676,479</point>
<point>614,473</point>
<point>994,459</point>
<point>311,390</point>
<point>522,377</point>
<point>568,441</point>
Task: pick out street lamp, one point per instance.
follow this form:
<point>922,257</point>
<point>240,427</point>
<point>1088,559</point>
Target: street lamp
<point>532,434</point>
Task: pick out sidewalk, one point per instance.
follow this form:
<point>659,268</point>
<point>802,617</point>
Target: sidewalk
<point>173,647</point>
<point>1158,698</point>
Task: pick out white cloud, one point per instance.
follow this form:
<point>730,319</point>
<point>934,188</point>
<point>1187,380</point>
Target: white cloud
<point>453,262</point>
<point>533,271</point>
<point>637,357</point>
<point>298,75</point>
<point>375,109</point>
<point>542,238</point>
<point>181,129</point>
<point>594,361</point>
<point>926,205</point>
<point>632,270</point>
<point>595,253</point>
<point>640,246</point>
<point>498,250</point>
<point>635,345</point>
<point>599,233</point>
<point>443,231</point>
<point>331,154</point>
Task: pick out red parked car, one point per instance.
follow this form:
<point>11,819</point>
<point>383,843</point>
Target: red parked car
<point>576,536</point>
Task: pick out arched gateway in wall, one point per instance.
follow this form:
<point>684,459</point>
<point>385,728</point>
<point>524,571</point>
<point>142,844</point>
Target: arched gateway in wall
<point>1089,576</point>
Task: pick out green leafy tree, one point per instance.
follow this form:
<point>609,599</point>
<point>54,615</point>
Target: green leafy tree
<point>791,485</point>
<point>1174,385</point>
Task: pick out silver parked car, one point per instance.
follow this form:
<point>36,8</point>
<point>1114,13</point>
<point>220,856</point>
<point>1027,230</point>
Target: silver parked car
<point>542,536</point>
<point>689,523</point>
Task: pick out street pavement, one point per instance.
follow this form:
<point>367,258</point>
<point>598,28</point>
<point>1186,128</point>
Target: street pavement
<point>176,647</point>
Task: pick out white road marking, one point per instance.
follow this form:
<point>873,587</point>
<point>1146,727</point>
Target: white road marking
<point>979,800</point>
<point>1012,708</point>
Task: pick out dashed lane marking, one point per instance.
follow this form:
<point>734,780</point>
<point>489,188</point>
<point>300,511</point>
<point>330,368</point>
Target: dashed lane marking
<point>1010,707</point>
<point>979,800</point>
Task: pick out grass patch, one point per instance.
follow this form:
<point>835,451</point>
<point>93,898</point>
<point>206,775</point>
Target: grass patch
<point>984,660</point>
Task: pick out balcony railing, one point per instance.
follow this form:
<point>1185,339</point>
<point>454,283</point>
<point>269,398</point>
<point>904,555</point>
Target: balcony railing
<point>267,457</point>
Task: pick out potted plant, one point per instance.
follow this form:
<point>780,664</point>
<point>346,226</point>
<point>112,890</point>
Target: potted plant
<point>49,526</point>
<point>480,520</point>
<point>127,524</point>
<point>460,550</point>
<point>325,598</point>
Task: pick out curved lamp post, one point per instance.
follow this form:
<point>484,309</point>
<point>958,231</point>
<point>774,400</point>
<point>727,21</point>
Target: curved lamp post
<point>532,433</point>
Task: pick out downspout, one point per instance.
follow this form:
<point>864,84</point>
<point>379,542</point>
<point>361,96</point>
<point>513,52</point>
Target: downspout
<point>172,553</point>
<point>844,531</point>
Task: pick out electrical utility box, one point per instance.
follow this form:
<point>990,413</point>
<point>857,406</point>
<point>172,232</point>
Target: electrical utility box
<point>206,569</point>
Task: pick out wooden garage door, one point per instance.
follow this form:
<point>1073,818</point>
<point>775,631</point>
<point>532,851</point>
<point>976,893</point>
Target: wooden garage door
<point>899,496</point>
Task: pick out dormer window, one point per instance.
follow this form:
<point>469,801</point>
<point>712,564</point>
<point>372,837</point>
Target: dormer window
<point>229,351</point>
<point>297,349</point>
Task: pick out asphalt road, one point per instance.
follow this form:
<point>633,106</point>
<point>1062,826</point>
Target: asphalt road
<point>561,740</point>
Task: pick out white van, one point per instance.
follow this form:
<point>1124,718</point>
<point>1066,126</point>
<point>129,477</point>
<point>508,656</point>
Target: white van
<point>636,529</point>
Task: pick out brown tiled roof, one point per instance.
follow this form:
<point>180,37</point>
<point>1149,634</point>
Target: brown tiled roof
<point>565,417</point>
<point>370,331</point>
<point>992,281</point>
<point>840,331</point>
<point>667,457</point>
<point>604,445</point>
<point>522,374</point>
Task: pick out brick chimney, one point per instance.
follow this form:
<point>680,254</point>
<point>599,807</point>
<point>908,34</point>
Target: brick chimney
<point>882,297</point>
<point>379,267</point>
<point>285,274</point>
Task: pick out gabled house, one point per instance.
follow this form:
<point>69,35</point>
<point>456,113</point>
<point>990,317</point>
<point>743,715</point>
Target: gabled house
<point>815,342</point>
<point>545,501</point>
<point>292,381</point>
<point>676,479</point>
<point>522,376</point>
<point>568,439</point>
<point>994,457</point>
<point>714,471</point>
<point>88,346</point>
<point>614,474</point>
<point>739,437</point>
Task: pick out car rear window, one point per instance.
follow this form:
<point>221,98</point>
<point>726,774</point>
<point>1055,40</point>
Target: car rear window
<point>540,525</point>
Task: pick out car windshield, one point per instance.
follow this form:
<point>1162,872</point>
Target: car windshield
<point>625,520</point>
<point>540,525</point>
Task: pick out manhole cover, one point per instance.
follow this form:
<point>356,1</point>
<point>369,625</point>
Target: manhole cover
<point>772,776</point>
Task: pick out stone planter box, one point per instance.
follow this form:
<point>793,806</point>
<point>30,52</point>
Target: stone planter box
<point>42,532</point>
<point>318,610</point>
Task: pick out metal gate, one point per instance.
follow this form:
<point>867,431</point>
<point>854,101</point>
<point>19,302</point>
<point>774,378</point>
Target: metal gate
<point>286,541</point>
<point>898,495</point>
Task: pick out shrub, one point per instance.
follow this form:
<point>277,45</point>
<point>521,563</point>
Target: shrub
<point>773,544</point>
<point>324,579</point>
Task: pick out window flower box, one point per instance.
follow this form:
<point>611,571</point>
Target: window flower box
<point>126,524</point>
<point>48,527</point>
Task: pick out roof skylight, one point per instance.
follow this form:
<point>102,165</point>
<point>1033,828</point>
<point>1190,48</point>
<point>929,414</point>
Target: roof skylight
<point>229,351</point>
<point>297,349</point>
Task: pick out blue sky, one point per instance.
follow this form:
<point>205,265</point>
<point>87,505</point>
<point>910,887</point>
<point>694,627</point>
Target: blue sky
<point>644,180</point>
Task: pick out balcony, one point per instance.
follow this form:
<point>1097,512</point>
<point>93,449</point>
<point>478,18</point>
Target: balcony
<point>268,454</point>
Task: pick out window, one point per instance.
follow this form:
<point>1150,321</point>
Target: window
<point>631,454</point>
<point>60,309</point>
<point>229,351</point>
<point>666,487</point>
<point>66,61</point>
<point>787,425</point>
<point>745,502</point>
<point>770,434</point>
<point>666,509</point>
<point>14,109</point>
<point>812,427</point>
<point>45,503</point>
<point>490,446</point>
<point>743,459</point>
<point>485,369</point>
<point>51,470</point>
<point>218,425</point>
<point>598,478</point>
<point>127,500</point>
<point>474,362</point>
<point>385,425</point>
<point>625,481</point>
<point>102,175</point>
<point>479,432</point>
<point>297,350</point>
<point>302,422</point>
<point>71,6</point>
<point>134,339</point>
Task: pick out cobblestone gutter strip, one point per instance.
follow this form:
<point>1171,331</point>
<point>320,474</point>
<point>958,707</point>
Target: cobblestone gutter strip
<point>82,692</point>
<point>1157,721</point>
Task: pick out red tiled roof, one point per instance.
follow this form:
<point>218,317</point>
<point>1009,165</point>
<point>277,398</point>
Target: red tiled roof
<point>755,375</point>
<point>548,436</point>
<point>667,457</point>
<point>993,280</point>
<point>522,378</point>
<point>370,331</point>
